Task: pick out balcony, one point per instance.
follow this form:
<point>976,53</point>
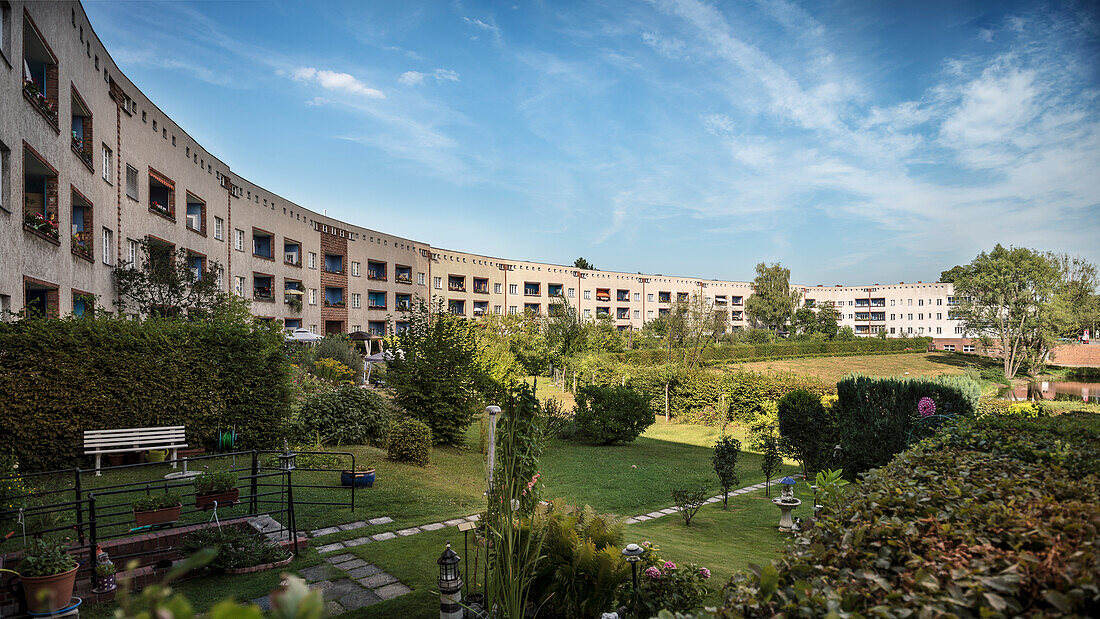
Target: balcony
<point>403,275</point>
<point>531,290</point>
<point>622,295</point>
<point>622,314</point>
<point>292,253</point>
<point>334,297</point>
<point>376,271</point>
<point>481,286</point>
<point>376,300</point>
<point>737,301</point>
<point>376,328</point>
<point>162,196</point>
<point>532,308</point>
<point>682,297</point>
<point>664,297</point>
<point>554,290</point>
<point>403,302</point>
<point>603,294</point>
<point>457,308</point>
<point>481,308</point>
<point>603,311</point>
<point>333,263</point>
<point>263,293</point>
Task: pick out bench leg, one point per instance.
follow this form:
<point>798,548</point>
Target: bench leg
<point>174,457</point>
<point>97,471</point>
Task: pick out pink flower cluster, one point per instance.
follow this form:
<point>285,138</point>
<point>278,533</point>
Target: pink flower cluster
<point>531,484</point>
<point>704,572</point>
<point>669,565</point>
<point>926,407</point>
<point>653,572</point>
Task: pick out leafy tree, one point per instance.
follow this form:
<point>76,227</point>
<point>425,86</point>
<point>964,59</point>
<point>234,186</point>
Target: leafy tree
<point>688,501</point>
<point>772,302</point>
<point>846,334</point>
<point>828,320</point>
<point>1075,305</point>
<point>164,283</point>
<point>581,263</point>
<point>807,430</point>
<point>565,332</point>
<point>726,452</point>
<point>608,415</point>
<point>1006,294</point>
<point>435,375</point>
<point>804,321</point>
<point>950,276</point>
<point>338,348</point>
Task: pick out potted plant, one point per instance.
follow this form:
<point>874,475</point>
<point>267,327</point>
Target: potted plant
<point>358,479</point>
<point>156,509</point>
<point>103,574</point>
<point>48,575</point>
<point>220,486</point>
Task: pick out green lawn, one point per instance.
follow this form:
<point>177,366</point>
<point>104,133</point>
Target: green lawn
<point>832,369</point>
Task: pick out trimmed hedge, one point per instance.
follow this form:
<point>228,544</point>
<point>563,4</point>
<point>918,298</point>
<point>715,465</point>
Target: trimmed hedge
<point>348,415</point>
<point>993,517</point>
<point>783,349</point>
<point>608,415</point>
<point>876,417</point>
<point>61,377</point>
<point>410,440</point>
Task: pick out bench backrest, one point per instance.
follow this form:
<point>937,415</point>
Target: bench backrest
<point>134,437</point>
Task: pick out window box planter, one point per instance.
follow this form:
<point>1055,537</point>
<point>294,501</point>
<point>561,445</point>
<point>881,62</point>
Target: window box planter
<point>336,304</point>
<point>39,101</point>
<point>224,499</point>
<point>44,227</point>
<point>160,209</point>
<point>154,517</point>
<point>357,479</point>
<point>403,279</point>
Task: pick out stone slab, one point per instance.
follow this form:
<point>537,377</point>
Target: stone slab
<point>435,526</point>
<point>359,599</point>
<point>340,558</point>
<point>364,571</point>
<point>631,520</point>
<point>381,520</point>
<point>656,514</point>
<point>391,591</point>
<point>714,499</point>
<point>336,589</point>
<point>324,531</point>
<point>333,609</point>
<point>668,510</point>
<point>351,526</point>
<point>642,518</point>
<point>359,541</point>
<point>378,580</point>
<point>455,522</point>
<point>408,532</point>
<point>330,547</point>
<point>473,518</point>
<point>264,603</point>
<point>316,573</point>
<point>350,564</point>
<point>384,536</point>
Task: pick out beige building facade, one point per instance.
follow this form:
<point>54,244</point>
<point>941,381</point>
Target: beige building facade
<point>89,166</point>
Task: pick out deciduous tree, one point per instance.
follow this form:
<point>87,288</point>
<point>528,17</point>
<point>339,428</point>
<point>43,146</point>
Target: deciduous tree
<point>772,302</point>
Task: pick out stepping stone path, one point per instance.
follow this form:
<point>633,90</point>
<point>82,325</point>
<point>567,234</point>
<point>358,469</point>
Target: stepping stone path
<point>348,583</point>
<point>714,499</point>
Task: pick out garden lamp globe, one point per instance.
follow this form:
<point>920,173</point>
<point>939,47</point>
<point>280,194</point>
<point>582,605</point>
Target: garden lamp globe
<point>633,553</point>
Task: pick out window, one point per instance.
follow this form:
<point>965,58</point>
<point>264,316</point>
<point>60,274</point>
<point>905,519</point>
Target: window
<point>437,283</point>
<point>355,300</point>
<point>637,313</point>
<point>968,348</point>
<point>107,158</point>
<point>355,270</point>
<point>910,302</point>
<point>420,279</point>
<point>497,287</point>
<point>196,213</point>
<point>131,252</point>
<point>949,347</point>
<point>920,302</point>
<point>513,310</point>
<point>313,329</point>
<point>313,296</point>
<point>40,216</point>
<point>637,297</point>
<point>649,297</point>
<point>588,294</point>
<point>108,245</point>
<point>5,17</point>
<point>3,175</point>
<point>649,313</point>
<point>497,309</point>
<point>939,315</point>
<point>891,302</point>
<point>238,240</point>
<point>238,285</point>
<point>939,330</point>
<point>572,292</point>
<point>312,260</point>
<point>219,226</point>
<point>40,72</point>
<point>939,301</point>
<point>958,330</point>
<point>162,195</point>
<point>587,312</point>
<point>131,182</point>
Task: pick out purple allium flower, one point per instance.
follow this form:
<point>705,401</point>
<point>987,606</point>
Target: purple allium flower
<point>669,565</point>
<point>926,407</point>
<point>704,572</point>
<point>653,572</point>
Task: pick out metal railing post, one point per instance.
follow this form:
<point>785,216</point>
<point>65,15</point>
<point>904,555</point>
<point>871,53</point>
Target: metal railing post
<point>79,506</point>
<point>291,520</point>
<point>92,536</point>
<point>254,503</point>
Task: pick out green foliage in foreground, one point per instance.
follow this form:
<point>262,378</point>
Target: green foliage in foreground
<point>994,517</point>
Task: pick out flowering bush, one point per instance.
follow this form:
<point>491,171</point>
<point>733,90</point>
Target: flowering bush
<point>926,407</point>
<point>665,586</point>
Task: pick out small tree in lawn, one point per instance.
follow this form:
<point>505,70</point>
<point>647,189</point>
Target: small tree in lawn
<point>688,501</point>
<point>807,430</point>
<point>726,452</point>
<point>765,440</point>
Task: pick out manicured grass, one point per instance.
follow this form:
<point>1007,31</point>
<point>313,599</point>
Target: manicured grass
<point>832,369</point>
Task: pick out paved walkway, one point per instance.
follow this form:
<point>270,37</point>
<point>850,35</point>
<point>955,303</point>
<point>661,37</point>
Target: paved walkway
<point>714,499</point>
<point>348,583</point>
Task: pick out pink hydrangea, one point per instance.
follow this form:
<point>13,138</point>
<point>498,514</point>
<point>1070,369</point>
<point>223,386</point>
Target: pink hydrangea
<point>669,565</point>
<point>653,572</point>
<point>704,572</point>
<point>926,407</point>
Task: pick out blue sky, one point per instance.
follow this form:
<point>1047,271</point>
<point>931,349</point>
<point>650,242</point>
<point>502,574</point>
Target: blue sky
<point>852,142</point>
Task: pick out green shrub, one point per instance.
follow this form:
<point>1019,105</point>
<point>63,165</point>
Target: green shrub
<point>154,502</point>
<point>876,416</point>
<point>348,415</point>
<point>665,587</point>
<point>61,377</point>
<point>726,452</point>
<point>215,482</point>
<point>991,517</point>
<point>45,558</point>
<point>607,415</point>
<point>237,547</point>
<point>332,370</point>
<point>410,441</point>
<point>807,430</point>
<point>687,501</point>
<point>337,348</point>
<point>780,349</point>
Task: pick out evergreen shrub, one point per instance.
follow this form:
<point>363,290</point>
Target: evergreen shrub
<point>410,440</point>
<point>61,377</point>
<point>347,415</point>
<point>876,416</point>
<point>807,430</point>
<point>607,415</point>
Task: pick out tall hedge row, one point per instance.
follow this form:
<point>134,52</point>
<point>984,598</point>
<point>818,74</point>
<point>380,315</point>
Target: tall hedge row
<point>61,377</point>
<point>784,348</point>
<point>994,517</point>
<point>876,417</point>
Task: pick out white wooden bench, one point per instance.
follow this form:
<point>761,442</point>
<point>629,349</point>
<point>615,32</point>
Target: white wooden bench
<point>99,442</point>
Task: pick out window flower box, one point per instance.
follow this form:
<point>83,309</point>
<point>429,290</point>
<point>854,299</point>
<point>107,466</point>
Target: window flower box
<point>42,225</point>
<point>30,88</point>
<point>157,207</point>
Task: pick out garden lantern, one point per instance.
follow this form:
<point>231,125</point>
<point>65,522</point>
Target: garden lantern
<point>788,487</point>
<point>287,458</point>
<point>817,507</point>
<point>633,554</point>
<point>450,585</point>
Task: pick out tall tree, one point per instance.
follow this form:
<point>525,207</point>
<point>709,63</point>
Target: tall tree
<point>828,319</point>
<point>804,321</point>
<point>581,263</point>
<point>950,275</point>
<point>1076,304</point>
<point>167,283</point>
<point>1006,294</point>
<point>772,302</point>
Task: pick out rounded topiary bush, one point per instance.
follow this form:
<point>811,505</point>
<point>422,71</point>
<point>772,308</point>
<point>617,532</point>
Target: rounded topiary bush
<point>608,415</point>
<point>347,415</point>
<point>410,441</point>
<point>807,429</point>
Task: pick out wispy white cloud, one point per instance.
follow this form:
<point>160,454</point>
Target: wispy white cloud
<point>336,81</point>
<point>411,78</point>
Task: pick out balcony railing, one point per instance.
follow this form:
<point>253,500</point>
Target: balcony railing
<point>85,155</point>
<point>604,297</point>
<point>335,303</point>
<point>292,259</point>
<point>334,271</point>
<point>39,100</point>
<point>481,289</point>
<point>36,222</point>
<point>376,275</point>
<point>262,294</point>
<point>375,305</point>
<point>160,209</point>
<point>403,278</point>
<point>456,287</point>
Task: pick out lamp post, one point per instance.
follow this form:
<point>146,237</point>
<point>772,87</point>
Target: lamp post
<point>287,458</point>
<point>817,507</point>
<point>633,554</point>
<point>450,585</point>
<point>493,412</point>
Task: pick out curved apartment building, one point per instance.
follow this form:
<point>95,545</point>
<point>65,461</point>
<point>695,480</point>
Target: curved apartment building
<point>89,166</point>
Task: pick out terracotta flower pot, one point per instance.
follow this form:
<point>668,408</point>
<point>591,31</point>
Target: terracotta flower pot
<point>224,499</point>
<point>157,516</point>
<point>47,594</point>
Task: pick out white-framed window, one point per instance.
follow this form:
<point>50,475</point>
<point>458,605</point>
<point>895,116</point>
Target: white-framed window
<point>355,270</point>
<point>637,313</point>
<point>587,312</point>
<point>939,330</point>
<point>939,315</point>
<point>420,279</point>
<point>355,300</point>
<point>649,313</point>
<point>638,296</point>
<point>513,310</point>
<point>131,252</point>
<point>355,328</point>
<point>108,245</point>
<point>107,159</point>
<point>313,296</point>
<point>910,302</point>
<point>513,288</point>
<point>3,165</point>
<point>572,293</point>
<point>131,182</point>
<point>920,302</point>
<point>968,348</point>
<point>910,329</point>
<point>238,239</point>
<point>238,285</point>
<point>588,294</point>
<point>313,329</point>
<point>312,260</point>
<point>437,283</point>
<point>949,347</point>
<point>958,330</point>
<point>497,288</point>
<point>221,278</point>
<point>497,309</point>
<point>939,301</point>
<point>892,302</point>
<point>649,298</point>
<point>219,227</point>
